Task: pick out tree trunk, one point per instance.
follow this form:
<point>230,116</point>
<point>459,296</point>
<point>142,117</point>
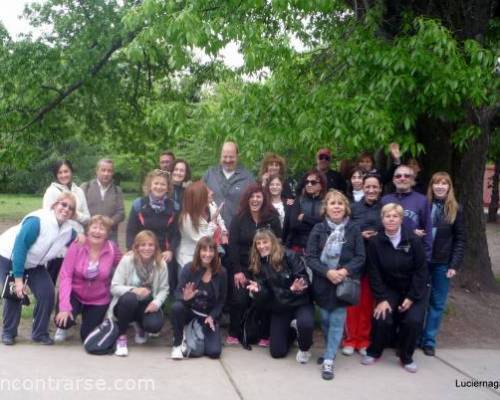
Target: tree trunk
<point>493,207</point>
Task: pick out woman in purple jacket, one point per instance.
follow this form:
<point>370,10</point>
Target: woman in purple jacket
<point>85,279</point>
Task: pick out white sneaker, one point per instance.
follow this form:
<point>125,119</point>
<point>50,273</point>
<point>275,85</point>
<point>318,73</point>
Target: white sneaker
<point>140,336</point>
<point>411,367</point>
<point>177,353</point>
<point>303,357</point>
<point>60,335</point>
<point>121,347</point>
<point>348,350</point>
<point>362,351</point>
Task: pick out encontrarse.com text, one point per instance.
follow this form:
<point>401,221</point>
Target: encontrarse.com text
<point>53,384</point>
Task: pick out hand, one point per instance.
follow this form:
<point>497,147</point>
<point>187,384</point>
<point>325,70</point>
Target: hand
<point>20,288</point>
<point>368,234</point>
<point>189,291</point>
<point>395,151</point>
<point>141,292</point>
<point>289,202</point>
<point>240,280</point>
<point>225,237</point>
<point>300,217</point>
<point>253,287</point>
<point>382,309</point>
<point>151,308</point>
<point>265,178</point>
<point>167,256</point>
<point>419,232</point>
<point>405,305</point>
<point>210,322</point>
<point>451,273</point>
<point>298,285</point>
<point>80,239</point>
<point>62,318</point>
<point>336,275</point>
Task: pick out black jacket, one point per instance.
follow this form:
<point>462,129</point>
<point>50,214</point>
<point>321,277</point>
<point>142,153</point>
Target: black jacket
<point>402,270</point>
<point>448,246</point>
<point>366,216</point>
<point>352,257</point>
<point>275,285</point>
<point>298,231</point>
<point>241,233</point>
<point>218,282</point>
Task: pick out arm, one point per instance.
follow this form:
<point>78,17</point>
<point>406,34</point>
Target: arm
<point>427,226</point>
<point>355,265</point>
<point>82,213</point>
<point>66,277</point>
<point>313,253</point>
<point>117,254</point>
<point>119,284</point>
<point>418,286</point>
<point>459,238</point>
<point>221,300</point>
<point>119,214</point>
<point>30,230</point>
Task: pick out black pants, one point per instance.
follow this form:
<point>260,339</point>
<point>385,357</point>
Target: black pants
<point>129,309</point>
<point>53,267</point>
<point>92,316</point>
<point>408,326</point>
<point>181,315</point>
<point>282,335</point>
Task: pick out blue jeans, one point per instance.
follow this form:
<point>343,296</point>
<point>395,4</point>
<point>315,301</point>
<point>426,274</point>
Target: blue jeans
<point>437,303</point>
<point>332,325</point>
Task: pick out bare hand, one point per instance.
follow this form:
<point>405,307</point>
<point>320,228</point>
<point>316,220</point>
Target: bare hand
<point>382,309</point>
<point>300,217</point>
<point>167,256</point>
<point>405,305</point>
<point>395,151</point>
<point>368,234</point>
<point>336,275</point>
<point>419,232</point>
<point>289,202</point>
<point>20,288</point>
<point>240,280</point>
<point>451,273</point>
<point>141,292</point>
<point>62,318</point>
<point>210,322</point>
<point>265,178</point>
<point>151,308</point>
<point>253,287</point>
<point>298,285</point>
<point>189,291</point>
<point>225,237</point>
<point>80,239</point>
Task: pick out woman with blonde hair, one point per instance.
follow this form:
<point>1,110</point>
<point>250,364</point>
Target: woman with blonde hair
<point>139,288</point>
<point>448,237</point>
<point>280,281</point>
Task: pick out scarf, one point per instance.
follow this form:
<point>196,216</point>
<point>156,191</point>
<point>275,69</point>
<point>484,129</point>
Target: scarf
<point>145,273</point>
<point>333,246</point>
<point>437,215</point>
<point>158,205</point>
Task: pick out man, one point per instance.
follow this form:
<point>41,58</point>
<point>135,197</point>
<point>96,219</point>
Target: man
<point>333,179</point>
<point>228,181</point>
<point>104,197</point>
<point>417,210</point>
<point>167,159</point>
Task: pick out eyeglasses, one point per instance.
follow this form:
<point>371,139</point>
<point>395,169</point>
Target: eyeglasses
<point>398,176</point>
<point>311,182</point>
<point>63,204</point>
<point>325,157</point>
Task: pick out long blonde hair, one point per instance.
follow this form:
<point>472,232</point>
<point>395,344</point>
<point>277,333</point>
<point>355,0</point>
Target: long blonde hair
<point>276,256</point>
<point>450,203</point>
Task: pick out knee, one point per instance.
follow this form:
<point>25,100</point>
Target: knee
<point>177,308</point>
<point>128,300</point>
<point>382,324</point>
<point>153,323</point>
<point>213,354</point>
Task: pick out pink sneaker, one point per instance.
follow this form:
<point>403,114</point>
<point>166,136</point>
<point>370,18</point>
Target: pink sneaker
<point>264,343</point>
<point>231,340</point>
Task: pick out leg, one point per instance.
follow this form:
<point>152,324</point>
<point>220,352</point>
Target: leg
<point>180,315</point>
<point>125,311</point>
<point>365,315</point>
<point>213,345</point>
<point>42,287</point>
<point>153,322</point>
<point>53,268</point>
<point>336,319</point>
<point>409,330</point>
<point>92,316</point>
<point>76,307</point>
<point>240,301</point>
<point>382,329</point>
<point>305,326</point>
<point>11,308</point>
<point>280,334</point>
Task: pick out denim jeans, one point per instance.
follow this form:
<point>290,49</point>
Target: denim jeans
<point>332,325</point>
<point>437,303</point>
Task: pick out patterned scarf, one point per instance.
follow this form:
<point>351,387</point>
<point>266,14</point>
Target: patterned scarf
<point>437,215</point>
<point>145,273</point>
<point>333,246</point>
<point>158,205</point>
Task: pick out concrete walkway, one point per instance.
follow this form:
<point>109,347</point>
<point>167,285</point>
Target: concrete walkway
<point>29,371</point>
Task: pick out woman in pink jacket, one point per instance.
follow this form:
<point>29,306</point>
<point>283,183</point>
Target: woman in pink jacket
<point>85,278</point>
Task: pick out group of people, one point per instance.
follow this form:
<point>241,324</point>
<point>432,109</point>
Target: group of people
<point>230,242</point>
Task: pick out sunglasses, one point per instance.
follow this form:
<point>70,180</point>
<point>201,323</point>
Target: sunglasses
<point>398,176</point>
<point>313,182</point>
<point>324,157</point>
<point>63,204</point>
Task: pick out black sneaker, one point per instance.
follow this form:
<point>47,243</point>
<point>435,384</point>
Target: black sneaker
<point>429,351</point>
<point>46,341</point>
<point>327,370</point>
<point>8,340</point>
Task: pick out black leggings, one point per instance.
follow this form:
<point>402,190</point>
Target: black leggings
<point>129,309</point>
<point>282,335</point>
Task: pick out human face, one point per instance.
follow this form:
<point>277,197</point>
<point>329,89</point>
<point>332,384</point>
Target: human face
<point>159,187</point>
<point>404,179</point>
<point>357,181</point>
<point>275,187</point>
<point>335,209</point>
<point>146,249</point>
<point>313,185</point>
<point>166,162</point>
<point>229,157</point>
<point>366,164</point>
<point>206,256</point>
<point>440,189</point>
<point>179,173</point>
<point>392,221</point>
<point>64,209</point>
<point>104,173</point>
<point>64,175</point>
<point>372,190</point>
<point>97,234</point>
<point>264,247</point>
<point>255,202</point>
<point>323,161</point>
<point>273,168</point>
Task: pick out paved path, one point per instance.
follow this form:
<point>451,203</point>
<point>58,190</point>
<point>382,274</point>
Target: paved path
<point>65,370</point>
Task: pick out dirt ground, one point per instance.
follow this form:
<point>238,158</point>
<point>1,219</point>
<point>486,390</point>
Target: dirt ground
<point>472,320</point>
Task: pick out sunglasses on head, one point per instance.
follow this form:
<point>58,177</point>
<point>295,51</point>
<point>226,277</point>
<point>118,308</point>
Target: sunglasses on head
<point>325,157</point>
<point>64,204</point>
<point>397,176</point>
<point>311,182</point>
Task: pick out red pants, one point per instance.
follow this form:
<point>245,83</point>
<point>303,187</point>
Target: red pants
<point>358,322</point>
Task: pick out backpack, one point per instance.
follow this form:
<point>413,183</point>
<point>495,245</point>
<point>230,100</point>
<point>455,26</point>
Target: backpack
<point>251,327</point>
<point>102,339</point>
<point>194,339</point>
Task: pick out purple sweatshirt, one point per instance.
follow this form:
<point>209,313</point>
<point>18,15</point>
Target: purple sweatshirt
<point>417,214</point>
<point>73,280</point>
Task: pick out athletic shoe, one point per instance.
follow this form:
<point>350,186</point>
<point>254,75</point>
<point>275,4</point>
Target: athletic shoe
<point>264,343</point>
<point>362,351</point>
<point>348,350</point>
<point>368,360</point>
<point>411,367</point>
<point>8,340</point>
<point>140,335</point>
<point>320,360</point>
<point>46,341</point>
<point>121,346</point>
<point>60,335</point>
<point>231,340</point>
<point>327,370</point>
<point>429,351</point>
<point>177,353</point>
<point>303,357</point>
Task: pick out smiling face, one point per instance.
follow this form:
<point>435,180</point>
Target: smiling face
<point>146,250</point>
<point>207,254</point>
<point>104,173</point>
<point>357,181</point>
<point>371,190</point>
<point>313,185</point>
<point>159,187</point>
<point>64,209</point>
<point>273,168</point>
<point>335,209</point>
<point>275,187</point>
<point>440,189</point>
<point>404,179</point>
<point>255,202</point>
<point>392,221</point>
<point>97,233</point>
<point>179,173</point>
<point>264,247</point>
<point>64,175</point>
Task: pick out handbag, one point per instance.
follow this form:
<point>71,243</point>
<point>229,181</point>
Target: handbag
<point>9,289</point>
<point>349,291</point>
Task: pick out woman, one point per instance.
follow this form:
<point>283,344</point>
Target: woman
<point>280,278</point>
<point>271,165</point>
<point>198,218</point>
<point>366,215</point>
<point>24,250</point>
<point>181,175</point>
<point>355,186</point>
<point>448,236</point>
<point>254,213</point>
<point>139,288</point>
<point>274,189</point>
<point>201,294</point>
<point>63,176</point>
<point>86,278</point>
<point>398,279</point>
<point>335,250</point>
<point>306,211</point>
<point>155,212</point>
